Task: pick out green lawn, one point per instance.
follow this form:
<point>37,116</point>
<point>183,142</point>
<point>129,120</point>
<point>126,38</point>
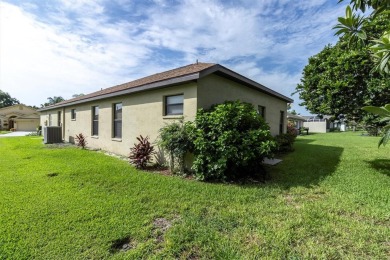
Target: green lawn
<point>4,132</point>
<point>329,199</point>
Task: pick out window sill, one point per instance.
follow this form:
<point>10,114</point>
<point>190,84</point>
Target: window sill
<point>173,117</point>
<point>73,119</point>
<point>116,139</point>
<point>95,137</point>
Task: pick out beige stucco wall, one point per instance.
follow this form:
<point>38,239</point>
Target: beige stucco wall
<point>214,89</point>
<point>142,113</point>
<point>317,127</point>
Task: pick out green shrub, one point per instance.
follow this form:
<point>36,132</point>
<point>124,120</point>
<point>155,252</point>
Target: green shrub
<point>176,139</point>
<point>231,141</point>
<point>285,141</point>
<point>141,153</point>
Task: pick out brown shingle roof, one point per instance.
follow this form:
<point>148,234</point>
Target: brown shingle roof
<point>170,74</point>
<point>167,78</point>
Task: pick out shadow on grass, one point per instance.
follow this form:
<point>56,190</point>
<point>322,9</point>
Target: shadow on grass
<point>308,165</point>
<point>381,165</point>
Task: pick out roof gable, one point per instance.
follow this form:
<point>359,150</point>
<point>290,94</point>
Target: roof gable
<point>18,108</point>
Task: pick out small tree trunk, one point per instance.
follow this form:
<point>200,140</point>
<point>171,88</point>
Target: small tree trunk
<point>182,165</point>
<point>172,163</point>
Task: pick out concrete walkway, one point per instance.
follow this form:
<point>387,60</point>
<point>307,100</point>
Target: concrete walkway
<point>16,133</point>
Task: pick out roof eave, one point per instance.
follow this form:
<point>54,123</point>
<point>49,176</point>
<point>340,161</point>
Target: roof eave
<point>159,84</point>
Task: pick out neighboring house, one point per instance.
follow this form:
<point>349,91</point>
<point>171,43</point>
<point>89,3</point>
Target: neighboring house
<point>296,120</point>
<point>112,118</point>
<point>19,117</point>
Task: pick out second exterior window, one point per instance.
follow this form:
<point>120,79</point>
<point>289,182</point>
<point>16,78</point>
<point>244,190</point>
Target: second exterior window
<point>174,105</point>
<point>73,114</point>
<point>95,121</point>
<point>117,133</point>
<point>261,111</point>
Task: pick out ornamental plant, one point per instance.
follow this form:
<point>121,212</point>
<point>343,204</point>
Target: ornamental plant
<point>141,153</point>
<point>81,140</point>
<point>230,142</point>
<point>384,113</point>
<point>176,138</point>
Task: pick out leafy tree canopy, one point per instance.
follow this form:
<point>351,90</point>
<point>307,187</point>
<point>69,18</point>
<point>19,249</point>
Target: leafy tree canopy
<point>52,101</point>
<point>340,79</point>
<point>6,100</point>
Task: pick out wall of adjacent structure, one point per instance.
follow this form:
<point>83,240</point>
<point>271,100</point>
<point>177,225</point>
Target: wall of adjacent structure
<point>142,114</point>
<point>214,89</point>
<point>317,127</point>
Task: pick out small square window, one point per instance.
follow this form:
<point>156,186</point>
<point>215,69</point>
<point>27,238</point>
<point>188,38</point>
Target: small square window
<point>73,114</point>
<point>174,105</point>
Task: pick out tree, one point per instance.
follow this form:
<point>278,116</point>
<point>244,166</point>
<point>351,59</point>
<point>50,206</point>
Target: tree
<point>77,95</point>
<point>6,100</point>
<point>354,27</point>
<point>339,80</point>
<point>52,101</point>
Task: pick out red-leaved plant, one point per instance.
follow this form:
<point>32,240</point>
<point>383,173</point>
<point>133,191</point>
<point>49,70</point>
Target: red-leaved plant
<point>81,140</point>
<point>141,153</point>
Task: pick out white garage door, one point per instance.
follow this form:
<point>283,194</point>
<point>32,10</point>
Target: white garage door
<point>26,125</point>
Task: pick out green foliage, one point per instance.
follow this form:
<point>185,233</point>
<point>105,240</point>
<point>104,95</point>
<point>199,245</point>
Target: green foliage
<point>355,28</point>
<point>6,100</point>
<point>231,141</point>
<point>384,113</point>
<point>286,141</point>
<point>81,140</point>
<point>141,153</point>
<point>381,50</point>
<point>351,26</point>
<point>52,101</point>
<point>340,81</point>
<point>176,139</point>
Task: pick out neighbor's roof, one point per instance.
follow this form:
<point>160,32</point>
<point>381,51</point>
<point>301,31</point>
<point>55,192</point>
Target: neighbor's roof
<point>296,117</point>
<point>165,79</point>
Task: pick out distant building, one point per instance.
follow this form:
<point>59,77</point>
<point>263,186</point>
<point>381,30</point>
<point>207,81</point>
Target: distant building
<point>19,117</point>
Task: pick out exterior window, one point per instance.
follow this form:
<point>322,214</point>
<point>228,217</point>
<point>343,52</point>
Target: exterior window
<point>281,123</point>
<point>95,120</point>
<point>117,120</point>
<point>50,120</point>
<point>174,105</point>
<point>59,119</point>
<point>73,114</point>
<point>261,111</point>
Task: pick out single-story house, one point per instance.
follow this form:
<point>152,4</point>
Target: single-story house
<point>296,120</point>
<point>112,118</point>
<point>19,117</point>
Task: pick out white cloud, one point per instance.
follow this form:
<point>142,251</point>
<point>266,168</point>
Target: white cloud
<point>81,46</point>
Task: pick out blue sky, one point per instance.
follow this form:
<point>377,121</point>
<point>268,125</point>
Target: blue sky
<point>65,47</point>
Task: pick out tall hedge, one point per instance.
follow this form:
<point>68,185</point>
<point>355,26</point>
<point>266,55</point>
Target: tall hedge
<point>231,140</point>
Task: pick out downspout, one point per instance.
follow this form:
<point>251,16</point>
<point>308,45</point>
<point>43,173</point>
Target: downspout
<point>63,123</point>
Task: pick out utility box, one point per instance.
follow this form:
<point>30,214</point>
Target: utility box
<point>52,134</point>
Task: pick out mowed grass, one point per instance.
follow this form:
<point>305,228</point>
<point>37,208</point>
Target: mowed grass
<point>329,199</point>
